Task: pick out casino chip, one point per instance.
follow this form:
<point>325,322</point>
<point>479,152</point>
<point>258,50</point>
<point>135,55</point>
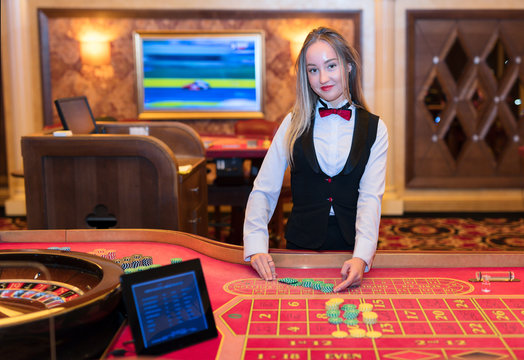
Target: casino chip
<point>337,301</point>
<point>327,288</point>
<point>332,308</point>
<point>351,314</point>
<point>307,282</point>
<point>333,313</point>
<point>339,334</point>
<point>357,333</point>
<point>147,261</point>
<point>317,285</point>
<point>373,334</point>
<point>288,280</point>
<point>351,322</point>
<point>365,307</point>
<point>369,317</point>
<point>347,307</point>
<point>335,320</point>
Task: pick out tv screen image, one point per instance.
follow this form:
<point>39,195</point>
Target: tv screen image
<point>199,75</point>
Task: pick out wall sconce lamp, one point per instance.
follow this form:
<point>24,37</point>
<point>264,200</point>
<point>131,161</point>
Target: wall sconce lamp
<point>296,40</point>
<point>295,46</point>
<point>96,53</point>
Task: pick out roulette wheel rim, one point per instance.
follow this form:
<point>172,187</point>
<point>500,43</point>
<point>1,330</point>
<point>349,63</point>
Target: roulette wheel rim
<point>98,307</point>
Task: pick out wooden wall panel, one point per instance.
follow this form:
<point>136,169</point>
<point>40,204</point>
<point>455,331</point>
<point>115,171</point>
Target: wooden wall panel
<point>465,118</point>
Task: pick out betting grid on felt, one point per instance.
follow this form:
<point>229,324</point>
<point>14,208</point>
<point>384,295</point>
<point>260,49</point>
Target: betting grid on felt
<point>442,317</point>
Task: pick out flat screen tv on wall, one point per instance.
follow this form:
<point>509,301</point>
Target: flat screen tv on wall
<point>199,75</point>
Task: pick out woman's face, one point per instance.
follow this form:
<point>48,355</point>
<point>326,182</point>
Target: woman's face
<point>325,73</point>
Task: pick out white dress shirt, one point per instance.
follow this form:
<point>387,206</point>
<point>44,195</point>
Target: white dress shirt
<point>332,137</point>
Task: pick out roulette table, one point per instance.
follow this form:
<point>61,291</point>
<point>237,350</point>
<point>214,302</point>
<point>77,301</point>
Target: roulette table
<point>426,305</point>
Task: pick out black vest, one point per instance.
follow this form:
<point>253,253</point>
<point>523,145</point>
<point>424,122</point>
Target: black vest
<point>314,192</point>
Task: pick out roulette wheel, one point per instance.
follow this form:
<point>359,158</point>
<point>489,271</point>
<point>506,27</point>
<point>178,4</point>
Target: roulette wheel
<point>57,304</point>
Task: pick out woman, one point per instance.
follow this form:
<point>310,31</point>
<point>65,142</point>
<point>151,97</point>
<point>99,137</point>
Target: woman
<point>337,153</point>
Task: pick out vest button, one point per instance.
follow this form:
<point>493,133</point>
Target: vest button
<point>330,199</point>
<point>328,180</point>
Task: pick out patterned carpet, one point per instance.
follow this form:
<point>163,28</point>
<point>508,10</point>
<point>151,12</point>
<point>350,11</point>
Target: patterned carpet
<point>426,233</point>
<point>435,233</point>
<point>12,224</point>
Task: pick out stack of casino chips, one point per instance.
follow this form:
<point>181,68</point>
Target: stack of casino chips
<point>135,262</point>
<point>104,253</point>
<point>141,268</point>
<point>337,314</point>
<point>309,283</point>
<point>333,314</point>
<point>348,314</point>
<point>369,317</point>
<point>63,248</point>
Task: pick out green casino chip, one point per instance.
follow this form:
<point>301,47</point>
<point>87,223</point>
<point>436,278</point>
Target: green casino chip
<point>288,280</point>
<point>347,307</point>
<point>307,283</point>
<point>317,285</point>
<point>351,322</point>
<point>327,288</point>
<point>351,314</point>
<point>335,320</point>
<point>333,313</point>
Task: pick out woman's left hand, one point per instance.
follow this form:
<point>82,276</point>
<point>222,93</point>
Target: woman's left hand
<point>352,273</point>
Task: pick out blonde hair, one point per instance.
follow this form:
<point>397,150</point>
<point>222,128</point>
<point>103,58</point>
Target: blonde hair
<point>306,98</point>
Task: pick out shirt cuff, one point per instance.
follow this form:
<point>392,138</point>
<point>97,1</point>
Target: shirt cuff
<point>252,247</point>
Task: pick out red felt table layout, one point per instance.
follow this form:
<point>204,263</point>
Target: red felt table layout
<point>423,313</point>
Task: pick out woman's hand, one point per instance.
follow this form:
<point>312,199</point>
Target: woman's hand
<point>352,273</point>
<point>264,265</point>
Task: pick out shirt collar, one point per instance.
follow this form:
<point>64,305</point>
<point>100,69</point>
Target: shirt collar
<point>329,106</point>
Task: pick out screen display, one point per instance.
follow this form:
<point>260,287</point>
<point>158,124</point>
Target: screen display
<point>169,308</point>
<point>75,115</point>
<point>199,73</point>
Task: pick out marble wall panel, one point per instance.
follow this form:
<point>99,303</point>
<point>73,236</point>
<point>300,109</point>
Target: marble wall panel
<point>111,89</point>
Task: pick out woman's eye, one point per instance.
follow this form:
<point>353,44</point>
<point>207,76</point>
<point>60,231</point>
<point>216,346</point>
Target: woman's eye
<point>312,71</point>
<point>332,66</point>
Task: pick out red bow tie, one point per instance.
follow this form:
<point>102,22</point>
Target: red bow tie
<point>344,113</point>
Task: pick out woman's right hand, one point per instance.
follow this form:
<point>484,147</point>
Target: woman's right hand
<point>264,266</point>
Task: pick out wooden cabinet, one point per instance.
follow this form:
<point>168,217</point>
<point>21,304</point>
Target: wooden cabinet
<point>117,181</point>
<point>188,148</point>
<point>193,197</point>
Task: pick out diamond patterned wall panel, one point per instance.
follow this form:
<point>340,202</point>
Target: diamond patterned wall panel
<point>465,90</point>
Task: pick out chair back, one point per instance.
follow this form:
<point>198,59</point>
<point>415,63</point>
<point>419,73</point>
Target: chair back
<point>256,128</point>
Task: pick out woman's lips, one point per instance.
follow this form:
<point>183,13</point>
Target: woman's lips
<point>326,88</point>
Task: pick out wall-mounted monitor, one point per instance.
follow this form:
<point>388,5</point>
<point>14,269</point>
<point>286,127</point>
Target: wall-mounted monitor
<point>199,75</point>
